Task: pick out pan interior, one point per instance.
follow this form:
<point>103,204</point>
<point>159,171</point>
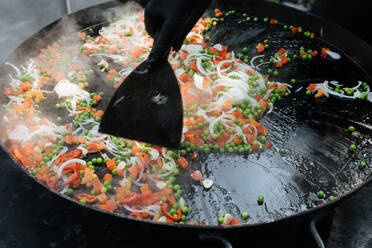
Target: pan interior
<point>313,132</point>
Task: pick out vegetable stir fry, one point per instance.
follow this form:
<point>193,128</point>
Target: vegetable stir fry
<point>224,97</point>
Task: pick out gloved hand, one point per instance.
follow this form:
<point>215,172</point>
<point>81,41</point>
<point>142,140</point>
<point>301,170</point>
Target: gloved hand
<point>169,22</point>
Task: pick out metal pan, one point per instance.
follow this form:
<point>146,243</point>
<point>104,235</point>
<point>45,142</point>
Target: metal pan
<point>313,132</point>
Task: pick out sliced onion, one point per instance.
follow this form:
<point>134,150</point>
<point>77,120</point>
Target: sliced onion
<point>19,133</point>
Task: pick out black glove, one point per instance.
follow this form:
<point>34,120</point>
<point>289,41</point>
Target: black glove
<point>169,22</point>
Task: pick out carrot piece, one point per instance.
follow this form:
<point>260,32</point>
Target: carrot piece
<point>111,164</point>
<point>107,177</point>
<point>135,149</point>
<point>263,104</point>
<point>86,51</point>
<point>97,98</point>
<point>237,141</point>
<point>69,139</point>
<point>145,188</point>
<point>260,47</point>
<point>193,66</point>
<point>184,77</point>
<point>102,198</point>
<point>183,162</point>
<point>103,207</point>
<point>319,93</point>
<point>238,114</point>
<point>120,172</point>
<point>99,113</point>
<point>82,140</point>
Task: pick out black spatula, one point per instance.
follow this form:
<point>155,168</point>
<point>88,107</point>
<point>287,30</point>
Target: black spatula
<point>147,107</point>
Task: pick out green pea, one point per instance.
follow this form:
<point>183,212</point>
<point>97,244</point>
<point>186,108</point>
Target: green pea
<point>321,194</point>
<point>164,199</point>
<point>245,215</point>
<point>69,191</point>
<point>363,164</point>
<point>331,198</point>
<point>351,128</point>
<point>103,189</point>
<point>176,206</point>
<point>177,195</point>
<point>308,92</point>
<point>220,219</point>
<point>245,49</point>
<point>185,210</point>
<point>352,147</point>
<point>83,201</point>
<point>114,171</point>
<point>293,80</point>
<point>99,160</point>
<point>282,151</point>
<point>109,187</point>
<point>89,184</point>
<point>276,73</point>
<point>94,161</point>
<point>260,200</point>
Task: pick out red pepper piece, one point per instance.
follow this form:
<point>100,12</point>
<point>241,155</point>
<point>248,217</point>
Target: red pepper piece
<point>68,156</point>
<point>164,210</point>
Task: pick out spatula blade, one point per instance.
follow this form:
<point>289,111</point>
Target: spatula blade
<point>147,107</point>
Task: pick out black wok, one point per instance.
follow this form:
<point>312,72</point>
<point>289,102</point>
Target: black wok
<point>313,132</point>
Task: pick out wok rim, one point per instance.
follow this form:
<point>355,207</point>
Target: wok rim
<point>302,214</point>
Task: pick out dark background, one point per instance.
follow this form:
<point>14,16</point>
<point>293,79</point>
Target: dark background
<point>30,216</point>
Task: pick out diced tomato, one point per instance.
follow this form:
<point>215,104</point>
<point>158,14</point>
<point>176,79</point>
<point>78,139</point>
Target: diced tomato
<point>144,158</point>
<point>196,175</point>
<point>134,170</point>
<point>323,52</point>
<point>294,30</point>
<point>111,205</point>
<point>194,155</point>
<point>235,222</point>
